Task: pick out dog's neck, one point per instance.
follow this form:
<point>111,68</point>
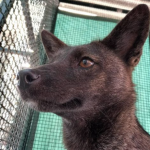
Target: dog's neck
<point>109,128</point>
<point>110,119</point>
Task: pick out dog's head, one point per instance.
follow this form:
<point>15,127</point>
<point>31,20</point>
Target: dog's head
<point>87,77</point>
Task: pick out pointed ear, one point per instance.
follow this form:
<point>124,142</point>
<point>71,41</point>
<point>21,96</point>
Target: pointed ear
<point>51,43</point>
<point>128,37</point>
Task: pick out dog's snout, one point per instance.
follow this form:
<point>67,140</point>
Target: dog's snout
<point>30,77</point>
<point>26,77</point>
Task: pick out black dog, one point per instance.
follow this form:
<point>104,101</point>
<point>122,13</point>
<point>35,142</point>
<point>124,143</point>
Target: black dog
<point>90,86</point>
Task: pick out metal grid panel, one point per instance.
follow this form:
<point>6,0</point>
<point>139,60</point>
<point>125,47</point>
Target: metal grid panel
<point>20,23</point>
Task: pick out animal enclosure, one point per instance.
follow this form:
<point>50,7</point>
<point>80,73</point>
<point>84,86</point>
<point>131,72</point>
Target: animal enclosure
<point>74,22</point>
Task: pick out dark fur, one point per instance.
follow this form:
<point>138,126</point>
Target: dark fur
<point>97,103</point>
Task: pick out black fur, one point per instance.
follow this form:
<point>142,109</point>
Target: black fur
<point>90,87</point>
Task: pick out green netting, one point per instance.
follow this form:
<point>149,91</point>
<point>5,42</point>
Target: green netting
<point>77,30</point>
<point>141,78</point>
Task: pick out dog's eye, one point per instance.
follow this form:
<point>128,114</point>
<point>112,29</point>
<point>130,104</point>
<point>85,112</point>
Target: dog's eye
<point>86,62</point>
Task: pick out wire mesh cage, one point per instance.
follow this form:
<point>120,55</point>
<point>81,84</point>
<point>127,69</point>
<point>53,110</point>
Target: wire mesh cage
<point>74,22</point>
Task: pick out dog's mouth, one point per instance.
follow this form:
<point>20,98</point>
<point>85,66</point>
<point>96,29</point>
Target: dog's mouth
<point>51,105</point>
<point>72,104</point>
<point>47,106</point>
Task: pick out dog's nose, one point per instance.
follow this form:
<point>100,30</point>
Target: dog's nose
<point>26,77</point>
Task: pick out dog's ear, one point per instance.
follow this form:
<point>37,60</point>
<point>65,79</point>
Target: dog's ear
<point>128,37</point>
<point>51,43</point>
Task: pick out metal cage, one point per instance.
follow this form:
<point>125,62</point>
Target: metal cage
<point>73,21</point>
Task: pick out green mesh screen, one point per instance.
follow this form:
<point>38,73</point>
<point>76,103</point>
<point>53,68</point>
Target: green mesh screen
<point>73,31</point>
